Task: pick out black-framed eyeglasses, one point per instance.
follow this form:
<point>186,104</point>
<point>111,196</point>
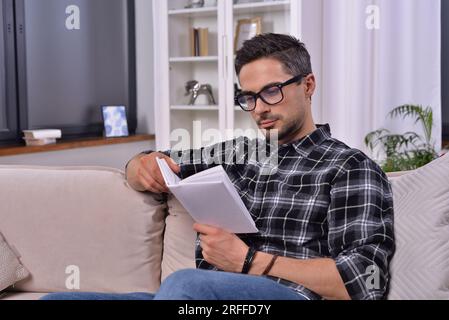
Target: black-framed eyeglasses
<point>271,95</point>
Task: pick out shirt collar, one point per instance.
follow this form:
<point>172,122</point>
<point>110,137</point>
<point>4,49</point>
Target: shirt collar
<point>305,145</point>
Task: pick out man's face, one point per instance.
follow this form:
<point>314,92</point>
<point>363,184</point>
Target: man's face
<point>289,116</point>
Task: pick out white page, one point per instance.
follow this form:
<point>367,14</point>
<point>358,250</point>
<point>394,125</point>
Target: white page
<point>213,174</point>
<point>169,176</point>
<point>218,208</point>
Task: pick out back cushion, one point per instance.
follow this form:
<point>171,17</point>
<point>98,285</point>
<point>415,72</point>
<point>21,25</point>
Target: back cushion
<point>81,225</point>
<point>179,239</point>
<point>420,266</point>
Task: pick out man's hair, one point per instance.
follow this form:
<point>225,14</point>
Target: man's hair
<point>288,50</point>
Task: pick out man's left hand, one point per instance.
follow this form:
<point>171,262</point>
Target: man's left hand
<point>221,249</point>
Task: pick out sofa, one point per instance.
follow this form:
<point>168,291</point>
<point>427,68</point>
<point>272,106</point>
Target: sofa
<point>86,229</point>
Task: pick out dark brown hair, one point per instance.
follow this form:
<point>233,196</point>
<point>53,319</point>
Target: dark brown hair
<point>288,50</point>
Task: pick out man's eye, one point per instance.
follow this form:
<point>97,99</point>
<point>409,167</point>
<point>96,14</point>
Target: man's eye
<point>271,91</point>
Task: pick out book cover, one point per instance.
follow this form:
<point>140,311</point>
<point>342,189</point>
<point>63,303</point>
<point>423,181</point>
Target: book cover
<point>192,42</point>
<point>42,134</point>
<point>39,142</point>
<point>204,41</point>
<point>197,42</point>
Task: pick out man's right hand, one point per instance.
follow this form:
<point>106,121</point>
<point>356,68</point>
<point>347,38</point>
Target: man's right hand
<point>143,173</point>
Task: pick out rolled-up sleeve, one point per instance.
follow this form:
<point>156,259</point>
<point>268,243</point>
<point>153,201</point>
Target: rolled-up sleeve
<point>361,237</point>
<point>223,153</point>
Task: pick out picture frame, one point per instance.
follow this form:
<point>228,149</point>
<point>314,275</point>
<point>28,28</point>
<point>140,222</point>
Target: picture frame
<point>246,29</point>
<point>115,121</point>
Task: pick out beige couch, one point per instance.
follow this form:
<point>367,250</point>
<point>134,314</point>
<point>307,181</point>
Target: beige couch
<point>84,228</point>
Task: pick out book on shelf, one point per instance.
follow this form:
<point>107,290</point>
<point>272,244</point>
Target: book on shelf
<point>42,134</point>
<point>203,35</point>
<point>199,42</point>
<point>39,142</point>
<point>222,207</point>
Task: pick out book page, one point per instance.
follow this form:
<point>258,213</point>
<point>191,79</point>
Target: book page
<point>169,176</point>
<point>219,208</point>
<point>209,175</point>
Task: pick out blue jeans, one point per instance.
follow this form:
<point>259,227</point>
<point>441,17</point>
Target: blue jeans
<point>196,284</point>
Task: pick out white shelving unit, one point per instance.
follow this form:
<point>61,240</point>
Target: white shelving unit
<point>194,59</point>
<point>174,65</point>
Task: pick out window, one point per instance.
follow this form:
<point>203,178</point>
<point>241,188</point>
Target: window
<point>72,58</point>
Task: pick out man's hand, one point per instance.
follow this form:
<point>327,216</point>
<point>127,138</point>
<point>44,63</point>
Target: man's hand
<point>143,173</point>
<point>227,252</point>
<point>221,249</point>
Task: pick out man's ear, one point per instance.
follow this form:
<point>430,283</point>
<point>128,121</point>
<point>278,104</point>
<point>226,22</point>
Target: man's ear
<point>309,86</point>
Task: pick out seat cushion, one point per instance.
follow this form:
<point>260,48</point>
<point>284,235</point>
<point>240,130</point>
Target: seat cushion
<point>21,296</point>
<point>420,266</point>
<point>81,229</point>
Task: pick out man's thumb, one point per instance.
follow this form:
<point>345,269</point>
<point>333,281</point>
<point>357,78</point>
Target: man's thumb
<point>172,164</point>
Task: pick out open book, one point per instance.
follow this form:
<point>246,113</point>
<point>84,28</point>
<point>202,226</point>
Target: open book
<point>210,198</point>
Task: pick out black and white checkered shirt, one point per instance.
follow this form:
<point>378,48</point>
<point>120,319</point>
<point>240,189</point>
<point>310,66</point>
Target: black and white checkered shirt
<point>324,200</point>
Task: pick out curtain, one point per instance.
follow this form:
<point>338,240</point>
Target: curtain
<point>370,57</point>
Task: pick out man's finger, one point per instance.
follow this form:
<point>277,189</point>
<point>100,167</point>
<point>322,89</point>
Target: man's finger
<point>160,179</point>
<point>173,165</point>
<point>145,164</point>
<point>205,229</point>
<point>146,185</point>
<point>155,174</point>
<point>153,184</point>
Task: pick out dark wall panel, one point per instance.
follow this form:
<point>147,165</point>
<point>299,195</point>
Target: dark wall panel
<point>70,73</point>
<point>3,105</point>
<point>8,92</point>
<point>445,66</point>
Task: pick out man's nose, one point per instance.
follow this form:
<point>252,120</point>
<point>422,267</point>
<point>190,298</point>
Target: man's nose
<point>261,107</point>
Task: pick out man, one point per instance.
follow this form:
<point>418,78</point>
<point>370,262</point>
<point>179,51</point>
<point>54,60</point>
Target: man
<point>325,215</point>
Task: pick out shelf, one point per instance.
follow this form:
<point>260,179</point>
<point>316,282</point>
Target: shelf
<point>262,7</point>
<point>176,64</point>
<point>194,13</point>
<point>194,108</point>
<point>67,145</point>
<point>195,59</point>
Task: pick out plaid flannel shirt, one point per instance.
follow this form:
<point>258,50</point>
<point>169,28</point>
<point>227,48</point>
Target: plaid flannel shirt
<point>325,200</point>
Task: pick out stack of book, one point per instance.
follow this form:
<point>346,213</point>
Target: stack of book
<point>199,42</point>
<point>41,137</point>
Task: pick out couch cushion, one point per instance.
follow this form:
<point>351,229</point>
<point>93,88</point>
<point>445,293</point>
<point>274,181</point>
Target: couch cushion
<point>179,239</point>
<point>81,223</point>
<point>11,270</point>
<point>21,296</point>
<point>420,266</point>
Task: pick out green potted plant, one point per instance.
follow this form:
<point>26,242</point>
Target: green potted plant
<point>406,151</point>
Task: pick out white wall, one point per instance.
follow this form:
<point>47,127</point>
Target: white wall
<point>312,29</point>
<point>113,155</point>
